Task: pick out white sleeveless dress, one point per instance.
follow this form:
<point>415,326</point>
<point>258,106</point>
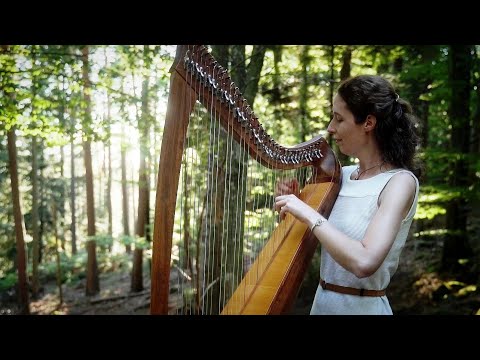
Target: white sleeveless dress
<point>354,208</point>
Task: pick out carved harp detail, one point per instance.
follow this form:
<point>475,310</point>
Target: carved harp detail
<point>271,283</point>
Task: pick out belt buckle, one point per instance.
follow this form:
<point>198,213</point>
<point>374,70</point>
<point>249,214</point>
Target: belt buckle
<point>362,292</point>
<point>323,283</point>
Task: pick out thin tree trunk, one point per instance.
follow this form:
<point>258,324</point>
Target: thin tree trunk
<point>332,77</point>
<point>23,297</point>
<point>100,173</point>
<point>125,208</point>
<point>57,254</point>
<point>62,199</point>
<point>93,285</point>
<point>109,191</point>
<point>63,191</point>
<point>305,60</point>
<point>133,197</point>
<point>35,221</point>
<point>125,203</point>
<point>143,218</point>
<point>143,193</point>
<point>108,195</point>
<point>345,71</point>
<point>344,74</point>
<point>253,71</point>
<point>42,213</point>
<point>73,228</point>
<point>276,96</point>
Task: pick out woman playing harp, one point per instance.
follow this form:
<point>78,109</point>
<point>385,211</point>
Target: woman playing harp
<point>214,249</point>
<point>367,229</point>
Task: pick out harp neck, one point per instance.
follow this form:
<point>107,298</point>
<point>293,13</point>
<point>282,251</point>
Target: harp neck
<point>218,93</point>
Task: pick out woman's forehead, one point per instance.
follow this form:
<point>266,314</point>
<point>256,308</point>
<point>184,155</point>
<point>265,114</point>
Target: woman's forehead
<point>339,105</point>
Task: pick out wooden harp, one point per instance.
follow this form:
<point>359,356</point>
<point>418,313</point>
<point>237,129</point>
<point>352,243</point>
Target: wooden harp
<point>271,282</point>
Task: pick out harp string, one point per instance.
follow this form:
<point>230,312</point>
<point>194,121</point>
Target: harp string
<point>229,286</point>
<point>224,243</point>
<point>208,265</point>
<point>199,209</point>
<point>217,213</point>
<point>195,132</point>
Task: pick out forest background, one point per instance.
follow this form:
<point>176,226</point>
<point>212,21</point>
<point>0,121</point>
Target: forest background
<point>81,131</point>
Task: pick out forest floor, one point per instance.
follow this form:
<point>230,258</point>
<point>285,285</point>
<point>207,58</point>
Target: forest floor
<point>415,290</point>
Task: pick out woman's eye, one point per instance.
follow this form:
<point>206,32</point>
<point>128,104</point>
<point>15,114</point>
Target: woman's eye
<point>336,118</point>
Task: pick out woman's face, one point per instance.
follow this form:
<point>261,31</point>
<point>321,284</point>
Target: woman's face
<point>347,134</point>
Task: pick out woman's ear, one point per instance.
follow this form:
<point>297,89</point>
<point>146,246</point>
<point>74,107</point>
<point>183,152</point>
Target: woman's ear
<point>370,123</point>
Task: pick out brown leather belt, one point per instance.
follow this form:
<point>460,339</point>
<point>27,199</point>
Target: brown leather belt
<point>350,290</point>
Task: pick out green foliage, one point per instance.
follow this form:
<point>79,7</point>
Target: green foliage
<point>73,268</point>
<point>126,240</point>
<point>108,262</point>
<point>141,243</point>
<point>8,281</point>
<point>433,199</point>
<point>438,193</point>
<point>8,248</point>
<point>429,211</point>
<point>104,242</point>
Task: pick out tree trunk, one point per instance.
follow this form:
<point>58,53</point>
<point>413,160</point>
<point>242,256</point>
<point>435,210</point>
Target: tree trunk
<point>474,214</point>
<point>108,195</point>
<point>42,212</point>
<point>63,190</point>
<point>143,218</point>
<point>35,220</point>
<point>93,285</point>
<point>133,198</point>
<point>20,260</point>
<point>345,73</point>
<point>305,60</point>
<point>137,270</point>
<point>125,208</point>
<point>23,297</point>
<point>419,87</point>
<point>100,200</point>
<point>123,155</point>
<point>57,254</point>
<point>456,245</point>
<point>73,228</point>
<point>276,96</point>
<point>62,199</point>
<point>253,72</point>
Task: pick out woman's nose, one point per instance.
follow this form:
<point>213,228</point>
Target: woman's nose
<point>330,128</point>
